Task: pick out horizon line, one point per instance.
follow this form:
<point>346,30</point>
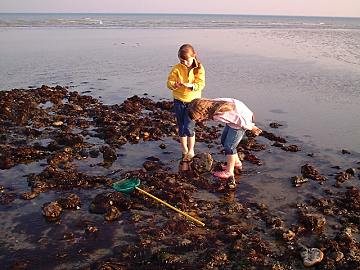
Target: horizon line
<point>171,13</point>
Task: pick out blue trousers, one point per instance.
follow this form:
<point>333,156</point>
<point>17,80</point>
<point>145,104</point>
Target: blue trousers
<point>185,124</point>
<point>230,138</point>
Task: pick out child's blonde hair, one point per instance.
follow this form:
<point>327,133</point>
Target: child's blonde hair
<point>203,109</point>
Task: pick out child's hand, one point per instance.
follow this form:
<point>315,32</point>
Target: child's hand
<point>189,85</point>
<point>256,131</point>
<point>177,85</point>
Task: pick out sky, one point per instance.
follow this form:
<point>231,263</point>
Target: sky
<point>337,8</point>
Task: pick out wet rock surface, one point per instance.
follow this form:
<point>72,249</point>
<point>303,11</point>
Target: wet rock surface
<point>202,163</point>
<point>66,149</point>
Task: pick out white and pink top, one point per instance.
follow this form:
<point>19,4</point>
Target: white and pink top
<point>240,117</point>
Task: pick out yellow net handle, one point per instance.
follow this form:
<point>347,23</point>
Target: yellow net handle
<point>170,206</point>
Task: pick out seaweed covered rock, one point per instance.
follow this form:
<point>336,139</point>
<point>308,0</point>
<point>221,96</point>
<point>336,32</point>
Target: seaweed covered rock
<point>70,201</point>
<point>202,163</point>
<point>103,202</point>
<point>52,211</point>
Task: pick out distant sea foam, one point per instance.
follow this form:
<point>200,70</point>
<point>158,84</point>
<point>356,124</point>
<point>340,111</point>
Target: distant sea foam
<point>191,21</point>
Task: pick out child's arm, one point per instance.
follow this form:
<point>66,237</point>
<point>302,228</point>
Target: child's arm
<point>172,82</point>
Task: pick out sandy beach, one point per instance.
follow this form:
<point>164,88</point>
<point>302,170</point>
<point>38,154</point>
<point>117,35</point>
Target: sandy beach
<point>67,144</point>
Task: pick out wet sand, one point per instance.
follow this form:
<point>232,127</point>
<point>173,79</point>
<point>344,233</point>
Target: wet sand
<point>56,142</point>
<point>307,79</point>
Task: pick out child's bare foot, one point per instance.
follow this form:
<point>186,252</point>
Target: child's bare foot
<point>187,157</point>
<point>190,155</point>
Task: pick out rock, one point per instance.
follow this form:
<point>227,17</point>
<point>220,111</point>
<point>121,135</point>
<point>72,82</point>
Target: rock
<point>343,176</point>
<point>162,146</point>
<point>337,256</point>
<point>275,125</point>
<point>94,153</point>
<point>278,144</point>
<point>351,171</point>
<point>291,148</point>
<point>109,153</point>
<point>311,256</point>
<point>313,222</point>
<point>104,201</point>
<point>70,201</point>
<point>52,211</point>
<point>29,195</point>
<point>299,180</point>
<point>202,163</point>
<point>112,214</point>
<point>6,198</point>
<point>151,165</point>
<point>288,235</point>
<point>309,171</point>
<point>91,229</point>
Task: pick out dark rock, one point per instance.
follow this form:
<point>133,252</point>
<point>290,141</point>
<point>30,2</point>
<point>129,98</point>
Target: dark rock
<point>112,214</point>
<point>291,148</point>
<point>109,154</point>
<point>70,201</point>
<point>52,211</point>
<point>351,171</point>
<point>104,201</point>
<point>151,165</point>
<point>7,198</point>
<point>343,176</point>
<point>309,171</point>
<point>162,146</point>
<point>202,163</point>
<point>275,125</point>
<point>299,180</point>
<point>313,222</point>
<point>29,195</point>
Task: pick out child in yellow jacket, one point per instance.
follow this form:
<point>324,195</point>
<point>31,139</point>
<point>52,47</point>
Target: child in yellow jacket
<point>186,80</point>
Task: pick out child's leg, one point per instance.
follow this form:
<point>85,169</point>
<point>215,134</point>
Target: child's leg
<point>184,145</point>
<point>230,142</point>
<point>238,161</point>
<point>189,131</point>
<point>191,146</point>
<point>180,112</point>
<point>230,163</point>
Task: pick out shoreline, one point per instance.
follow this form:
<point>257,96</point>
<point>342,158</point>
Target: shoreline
<point>58,143</point>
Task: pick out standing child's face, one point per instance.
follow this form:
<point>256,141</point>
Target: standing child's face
<point>188,60</point>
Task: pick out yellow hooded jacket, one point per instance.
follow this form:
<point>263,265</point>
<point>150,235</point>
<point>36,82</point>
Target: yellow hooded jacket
<point>180,73</point>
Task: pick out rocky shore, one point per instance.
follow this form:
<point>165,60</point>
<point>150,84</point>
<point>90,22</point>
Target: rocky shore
<point>75,142</point>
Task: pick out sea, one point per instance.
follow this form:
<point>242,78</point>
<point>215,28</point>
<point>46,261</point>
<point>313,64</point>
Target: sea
<point>300,72</point>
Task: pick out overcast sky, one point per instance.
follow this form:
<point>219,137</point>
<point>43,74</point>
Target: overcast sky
<point>346,8</point>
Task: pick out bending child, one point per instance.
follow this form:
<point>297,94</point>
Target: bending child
<point>237,117</point>
<point>186,80</point>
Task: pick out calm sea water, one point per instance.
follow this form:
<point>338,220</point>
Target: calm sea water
<point>302,72</point>
<point>174,21</point>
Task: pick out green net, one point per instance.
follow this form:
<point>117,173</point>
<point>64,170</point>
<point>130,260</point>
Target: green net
<point>126,185</point>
